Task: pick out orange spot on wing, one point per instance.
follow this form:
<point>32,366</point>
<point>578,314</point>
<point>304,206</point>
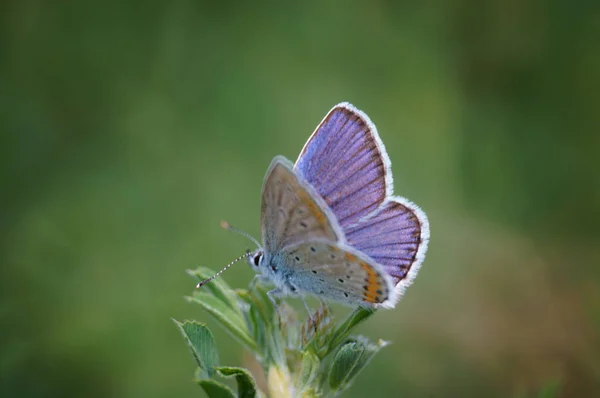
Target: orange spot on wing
<point>371,285</point>
<point>350,257</point>
<point>314,209</point>
<point>320,217</point>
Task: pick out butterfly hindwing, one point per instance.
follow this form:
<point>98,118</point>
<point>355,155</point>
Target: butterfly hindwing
<point>334,271</point>
<point>291,212</point>
<point>395,236</point>
<point>346,162</point>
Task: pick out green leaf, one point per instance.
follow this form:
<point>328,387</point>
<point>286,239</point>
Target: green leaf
<point>218,287</point>
<point>228,318</point>
<point>349,360</point>
<point>266,329</point>
<point>245,382</point>
<point>309,369</point>
<point>355,318</point>
<point>369,351</point>
<point>215,389</point>
<point>343,361</point>
<point>254,321</point>
<point>258,298</point>
<point>201,343</point>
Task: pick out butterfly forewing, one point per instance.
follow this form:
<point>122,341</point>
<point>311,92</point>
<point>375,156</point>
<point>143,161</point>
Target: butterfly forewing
<point>291,212</point>
<point>340,273</point>
<point>346,162</point>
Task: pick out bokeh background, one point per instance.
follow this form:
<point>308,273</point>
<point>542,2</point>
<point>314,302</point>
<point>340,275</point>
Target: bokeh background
<point>129,130</point>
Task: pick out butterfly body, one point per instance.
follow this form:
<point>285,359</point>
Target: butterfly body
<point>331,226</point>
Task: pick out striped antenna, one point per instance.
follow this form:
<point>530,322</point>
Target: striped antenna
<point>204,282</point>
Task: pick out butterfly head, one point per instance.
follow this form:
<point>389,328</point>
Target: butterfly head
<point>256,258</point>
<point>261,263</point>
<point>264,264</point>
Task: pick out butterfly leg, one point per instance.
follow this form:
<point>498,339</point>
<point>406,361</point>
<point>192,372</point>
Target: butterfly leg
<point>260,279</point>
<point>273,294</point>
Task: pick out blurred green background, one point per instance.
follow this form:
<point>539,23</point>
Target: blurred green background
<point>129,130</point>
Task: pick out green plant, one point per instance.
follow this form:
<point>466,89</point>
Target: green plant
<point>313,358</point>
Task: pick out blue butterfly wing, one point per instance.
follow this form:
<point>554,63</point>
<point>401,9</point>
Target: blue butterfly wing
<point>346,162</point>
<point>396,236</point>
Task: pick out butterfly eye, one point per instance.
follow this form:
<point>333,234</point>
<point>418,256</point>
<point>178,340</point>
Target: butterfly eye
<point>256,259</point>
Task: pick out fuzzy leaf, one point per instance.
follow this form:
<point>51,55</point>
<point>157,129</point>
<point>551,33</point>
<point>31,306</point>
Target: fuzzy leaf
<point>201,343</point>
<point>215,389</point>
<point>254,320</point>
<point>309,370</point>
<point>369,351</point>
<point>349,360</point>
<point>266,325</point>
<point>343,361</point>
<point>245,382</point>
<point>228,318</point>
<point>258,298</point>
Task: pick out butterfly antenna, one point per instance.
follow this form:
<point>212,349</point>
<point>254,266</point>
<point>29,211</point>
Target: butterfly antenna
<point>204,282</point>
<point>226,225</point>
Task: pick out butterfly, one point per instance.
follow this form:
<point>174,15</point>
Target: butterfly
<point>330,224</point>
